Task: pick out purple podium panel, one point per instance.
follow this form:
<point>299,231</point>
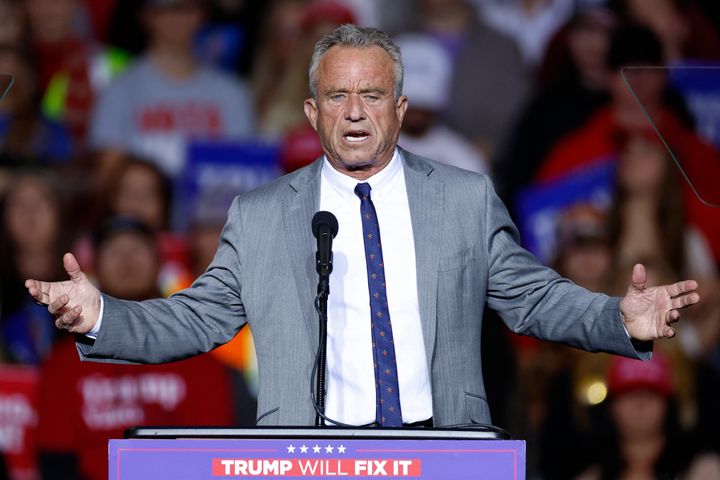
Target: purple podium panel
<point>317,457</point>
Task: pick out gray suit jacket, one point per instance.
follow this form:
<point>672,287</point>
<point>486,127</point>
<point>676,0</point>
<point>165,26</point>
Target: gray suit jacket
<point>263,274</point>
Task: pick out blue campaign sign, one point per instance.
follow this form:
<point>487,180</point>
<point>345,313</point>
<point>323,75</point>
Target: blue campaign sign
<point>699,84</point>
<point>540,207</point>
<point>217,172</point>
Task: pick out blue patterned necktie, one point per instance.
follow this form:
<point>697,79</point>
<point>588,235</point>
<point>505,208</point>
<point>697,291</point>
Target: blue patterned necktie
<point>387,391</point>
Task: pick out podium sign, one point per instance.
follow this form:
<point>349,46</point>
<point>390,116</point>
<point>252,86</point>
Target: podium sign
<point>318,456</point>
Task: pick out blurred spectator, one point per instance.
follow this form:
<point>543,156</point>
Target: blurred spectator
<point>574,84</point>
<point>489,81</point>
<point>596,141</point>
<point>71,68</point>
<point>643,438</point>
<point>279,43</point>
<point>166,99</point>
<point>531,23</point>
<point>126,259</point>
<point>647,220</point>
<point>584,253</point>
<point>30,244</point>
<point>426,83</point>
<point>13,24</point>
<point>680,25</point>
<point>101,400</point>
<point>26,135</point>
<point>140,190</point>
<point>282,112</point>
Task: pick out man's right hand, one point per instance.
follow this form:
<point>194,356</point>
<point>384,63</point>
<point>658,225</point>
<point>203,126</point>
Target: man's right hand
<point>74,303</point>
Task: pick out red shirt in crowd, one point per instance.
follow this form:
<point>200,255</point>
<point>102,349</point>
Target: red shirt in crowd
<point>82,405</point>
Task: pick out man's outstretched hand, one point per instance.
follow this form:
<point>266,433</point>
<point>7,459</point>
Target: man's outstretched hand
<point>74,303</point>
<point>650,312</point>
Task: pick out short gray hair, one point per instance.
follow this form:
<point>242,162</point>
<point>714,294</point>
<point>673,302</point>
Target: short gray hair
<point>352,36</point>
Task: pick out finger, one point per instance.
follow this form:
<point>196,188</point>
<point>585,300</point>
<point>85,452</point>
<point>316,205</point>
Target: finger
<point>68,318</point>
<point>669,332</point>
<point>639,276</point>
<point>56,306</point>
<point>682,287</point>
<point>35,291</point>
<point>684,301</point>
<point>72,267</point>
<point>673,316</point>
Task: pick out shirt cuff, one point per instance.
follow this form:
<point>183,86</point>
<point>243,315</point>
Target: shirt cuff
<point>95,331</point>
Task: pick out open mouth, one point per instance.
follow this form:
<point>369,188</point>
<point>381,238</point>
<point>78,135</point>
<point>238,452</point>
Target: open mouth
<point>355,136</point>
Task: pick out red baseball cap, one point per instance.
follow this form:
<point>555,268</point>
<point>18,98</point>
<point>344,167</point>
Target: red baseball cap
<point>627,374</point>
<point>326,11</point>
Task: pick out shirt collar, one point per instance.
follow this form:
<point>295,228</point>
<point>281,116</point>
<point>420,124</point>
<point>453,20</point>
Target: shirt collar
<point>381,183</point>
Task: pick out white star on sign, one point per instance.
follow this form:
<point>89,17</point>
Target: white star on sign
<point>303,449</point>
<point>316,449</point>
<point>291,449</point>
<point>341,449</point>
<point>329,449</point>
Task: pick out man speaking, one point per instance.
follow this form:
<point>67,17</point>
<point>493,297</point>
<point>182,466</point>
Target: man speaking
<point>421,248</point>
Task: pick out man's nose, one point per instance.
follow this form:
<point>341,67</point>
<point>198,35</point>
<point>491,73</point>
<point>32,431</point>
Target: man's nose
<point>355,111</point>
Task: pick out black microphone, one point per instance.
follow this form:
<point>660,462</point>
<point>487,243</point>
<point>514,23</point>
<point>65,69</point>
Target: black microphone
<point>324,227</point>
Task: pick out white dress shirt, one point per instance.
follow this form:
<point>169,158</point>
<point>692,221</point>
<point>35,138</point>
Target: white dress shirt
<point>350,373</point>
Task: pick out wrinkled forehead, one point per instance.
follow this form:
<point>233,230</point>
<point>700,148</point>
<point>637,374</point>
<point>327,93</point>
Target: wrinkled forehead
<point>346,66</point>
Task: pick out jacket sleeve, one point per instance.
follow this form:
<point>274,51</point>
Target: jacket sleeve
<point>195,320</point>
<point>534,300</point>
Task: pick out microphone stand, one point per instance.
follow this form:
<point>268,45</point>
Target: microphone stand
<point>321,304</point>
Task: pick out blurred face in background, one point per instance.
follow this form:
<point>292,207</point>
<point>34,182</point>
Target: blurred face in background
<point>643,167</point>
<point>139,194</point>
<point>127,266</point>
<point>12,23</point>
<point>648,84</point>
<point>174,26</point>
<point>588,43</point>
<point>284,28</point>
<point>586,262</point>
<point>32,215</point>
<point>51,21</point>
<point>639,413</point>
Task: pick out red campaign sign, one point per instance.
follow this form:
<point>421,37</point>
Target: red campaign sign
<point>18,420</point>
<point>284,467</point>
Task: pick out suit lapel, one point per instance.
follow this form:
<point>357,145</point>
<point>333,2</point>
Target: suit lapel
<point>299,206</point>
<point>425,196</point>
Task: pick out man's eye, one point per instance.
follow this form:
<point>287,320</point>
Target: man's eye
<point>372,98</point>
<point>337,97</point>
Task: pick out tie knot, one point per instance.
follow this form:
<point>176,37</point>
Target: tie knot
<point>362,190</point>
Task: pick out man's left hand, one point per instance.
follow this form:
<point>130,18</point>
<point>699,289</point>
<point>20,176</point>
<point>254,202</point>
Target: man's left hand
<point>649,313</point>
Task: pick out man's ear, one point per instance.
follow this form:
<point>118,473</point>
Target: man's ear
<point>311,111</point>
<point>401,108</point>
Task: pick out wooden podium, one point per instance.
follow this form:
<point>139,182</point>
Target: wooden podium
<point>327,453</point>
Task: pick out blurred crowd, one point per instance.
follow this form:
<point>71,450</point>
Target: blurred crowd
<point>130,125</point>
